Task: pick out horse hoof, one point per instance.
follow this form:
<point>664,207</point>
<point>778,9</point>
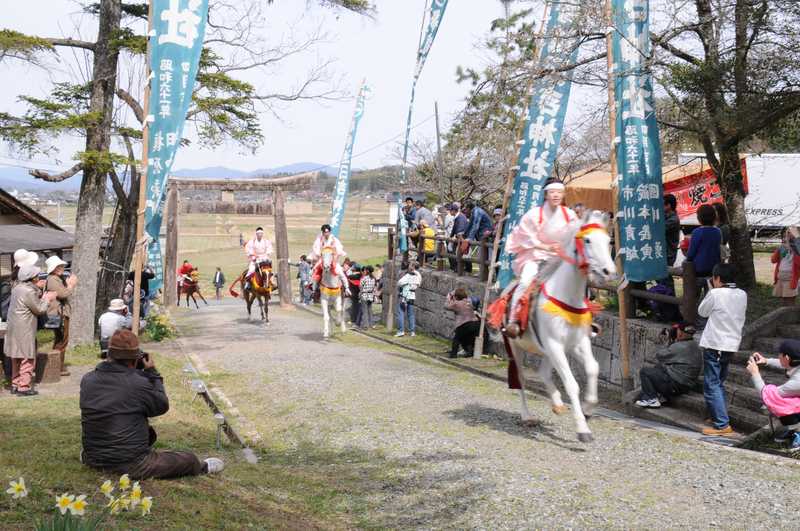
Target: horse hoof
<point>560,409</point>
<point>530,423</point>
<point>585,437</point>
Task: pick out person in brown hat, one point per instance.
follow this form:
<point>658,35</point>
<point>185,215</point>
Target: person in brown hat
<point>116,399</point>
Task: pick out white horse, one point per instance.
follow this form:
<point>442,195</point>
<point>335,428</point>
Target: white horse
<point>562,320</point>
<point>331,285</point>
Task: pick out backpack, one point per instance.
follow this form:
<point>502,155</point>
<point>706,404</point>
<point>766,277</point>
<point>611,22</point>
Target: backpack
<point>5,300</point>
<point>664,312</point>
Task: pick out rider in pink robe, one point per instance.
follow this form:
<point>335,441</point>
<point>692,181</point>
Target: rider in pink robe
<point>259,249</point>
<point>326,239</point>
<point>535,242</point>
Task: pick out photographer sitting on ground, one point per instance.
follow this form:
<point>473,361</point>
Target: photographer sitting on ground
<point>116,399</point>
<point>675,372</point>
<point>783,401</point>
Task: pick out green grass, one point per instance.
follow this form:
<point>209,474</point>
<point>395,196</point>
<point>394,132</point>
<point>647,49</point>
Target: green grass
<point>301,488</point>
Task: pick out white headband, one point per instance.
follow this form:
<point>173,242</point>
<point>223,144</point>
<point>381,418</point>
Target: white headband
<point>259,231</point>
<point>554,186</point>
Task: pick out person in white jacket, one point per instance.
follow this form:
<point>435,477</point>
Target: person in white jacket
<point>258,249</point>
<point>407,285</point>
<point>725,306</point>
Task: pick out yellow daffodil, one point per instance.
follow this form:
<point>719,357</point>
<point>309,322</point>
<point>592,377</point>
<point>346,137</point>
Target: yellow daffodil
<point>124,482</point>
<point>78,507</point>
<point>63,502</point>
<point>147,504</point>
<point>17,489</point>
<point>136,495</point>
<point>117,505</point>
<point>107,488</point>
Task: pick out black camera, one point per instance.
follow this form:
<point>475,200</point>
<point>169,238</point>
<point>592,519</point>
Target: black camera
<point>140,359</point>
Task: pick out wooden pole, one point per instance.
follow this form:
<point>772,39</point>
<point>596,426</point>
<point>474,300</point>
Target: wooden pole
<point>141,244</point>
<point>439,161</point>
<point>282,250</point>
<point>171,251</point>
<point>622,295</point>
<point>477,350</point>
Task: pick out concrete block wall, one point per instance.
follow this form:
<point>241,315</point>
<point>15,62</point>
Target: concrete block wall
<point>432,318</point>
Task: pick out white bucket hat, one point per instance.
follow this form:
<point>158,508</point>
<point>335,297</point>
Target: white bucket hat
<point>116,305</point>
<point>27,272</point>
<point>24,257</point>
<point>52,263</point>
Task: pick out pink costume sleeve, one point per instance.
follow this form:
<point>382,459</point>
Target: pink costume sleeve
<point>248,249</point>
<point>523,239</point>
<point>316,249</point>
<point>339,247</point>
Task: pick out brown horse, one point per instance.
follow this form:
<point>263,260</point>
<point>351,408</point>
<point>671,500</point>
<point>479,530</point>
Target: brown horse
<point>258,287</point>
<point>191,287</point>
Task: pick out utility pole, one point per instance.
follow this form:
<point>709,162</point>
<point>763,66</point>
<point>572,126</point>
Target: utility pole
<point>439,162</point>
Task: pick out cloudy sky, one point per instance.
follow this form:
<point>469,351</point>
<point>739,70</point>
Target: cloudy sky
<point>381,49</point>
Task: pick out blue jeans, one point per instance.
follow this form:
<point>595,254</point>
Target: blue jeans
<point>715,371</point>
<point>402,308</point>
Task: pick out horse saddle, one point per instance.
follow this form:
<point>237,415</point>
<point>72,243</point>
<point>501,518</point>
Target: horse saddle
<point>499,312</point>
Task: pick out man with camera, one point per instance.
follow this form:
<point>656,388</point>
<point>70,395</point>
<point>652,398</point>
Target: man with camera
<point>676,370</point>
<point>116,399</point>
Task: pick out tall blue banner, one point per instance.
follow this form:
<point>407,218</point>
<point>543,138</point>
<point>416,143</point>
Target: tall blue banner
<point>425,45</point>
<point>175,45</point>
<point>641,201</point>
<point>343,180</point>
<point>543,126</point>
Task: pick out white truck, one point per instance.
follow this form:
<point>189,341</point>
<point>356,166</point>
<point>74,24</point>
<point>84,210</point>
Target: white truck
<point>774,189</point>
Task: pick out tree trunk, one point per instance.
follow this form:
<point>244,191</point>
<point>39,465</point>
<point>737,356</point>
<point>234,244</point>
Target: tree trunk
<point>731,182</point>
<point>171,252</point>
<point>282,249</point>
<point>89,219</point>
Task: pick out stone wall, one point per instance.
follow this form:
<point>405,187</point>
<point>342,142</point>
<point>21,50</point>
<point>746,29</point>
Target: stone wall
<point>432,318</point>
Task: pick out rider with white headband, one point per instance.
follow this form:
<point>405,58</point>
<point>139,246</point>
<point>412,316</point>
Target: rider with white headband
<point>326,239</point>
<point>259,249</point>
<point>534,242</point>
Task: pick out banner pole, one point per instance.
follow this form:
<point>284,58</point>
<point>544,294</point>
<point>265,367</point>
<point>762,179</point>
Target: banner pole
<point>477,350</point>
<point>141,246</point>
<point>622,295</point>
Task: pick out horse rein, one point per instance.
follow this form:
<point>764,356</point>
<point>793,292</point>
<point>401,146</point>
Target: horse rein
<point>582,262</point>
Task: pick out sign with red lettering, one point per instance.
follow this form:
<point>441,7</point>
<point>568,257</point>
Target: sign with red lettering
<point>698,189</point>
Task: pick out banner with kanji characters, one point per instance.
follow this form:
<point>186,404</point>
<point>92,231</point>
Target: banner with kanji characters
<point>343,180</point>
<point>544,124</point>
<point>641,199</point>
<point>175,45</point>
<point>434,21</point>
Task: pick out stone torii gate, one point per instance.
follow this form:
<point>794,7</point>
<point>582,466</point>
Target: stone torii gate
<point>278,186</point>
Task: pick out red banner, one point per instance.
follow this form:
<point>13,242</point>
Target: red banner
<point>698,189</point>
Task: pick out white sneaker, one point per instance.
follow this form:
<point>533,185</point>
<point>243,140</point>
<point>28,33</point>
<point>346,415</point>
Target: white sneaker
<point>413,334</point>
<point>214,465</point>
<point>652,403</point>
<point>399,334</point>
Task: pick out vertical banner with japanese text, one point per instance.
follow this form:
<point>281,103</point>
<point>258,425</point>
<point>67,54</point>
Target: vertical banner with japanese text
<point>641,197</point>
<point>426,43</point>
<point>175,45</point>
<point>343,179</point>
<point>544,123</point>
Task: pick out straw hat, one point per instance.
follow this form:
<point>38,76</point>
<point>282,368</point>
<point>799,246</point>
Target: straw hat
<point>117,305</point>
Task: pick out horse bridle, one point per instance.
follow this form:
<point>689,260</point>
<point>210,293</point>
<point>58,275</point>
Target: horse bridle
<point>582,260</point>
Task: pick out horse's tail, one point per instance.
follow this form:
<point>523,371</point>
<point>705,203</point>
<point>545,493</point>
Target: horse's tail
<point>233,291</point>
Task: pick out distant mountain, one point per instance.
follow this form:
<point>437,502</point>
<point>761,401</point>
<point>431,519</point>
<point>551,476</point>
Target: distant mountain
<point>221,172</point>
<point>214,172</point>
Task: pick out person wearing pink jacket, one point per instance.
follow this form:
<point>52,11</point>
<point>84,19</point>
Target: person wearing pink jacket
<point>259,249</point>
<point>534,242</point>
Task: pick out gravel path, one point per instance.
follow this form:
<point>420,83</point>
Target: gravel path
<point>451,451</point>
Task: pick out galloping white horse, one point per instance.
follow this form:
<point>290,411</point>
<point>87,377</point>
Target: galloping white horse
<point>562,320</point>
<point>332,282</point>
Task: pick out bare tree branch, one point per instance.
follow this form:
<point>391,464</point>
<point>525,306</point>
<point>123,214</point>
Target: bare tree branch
<point>137,109</point>
<point>57,177</point>
<point>71,43</point>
